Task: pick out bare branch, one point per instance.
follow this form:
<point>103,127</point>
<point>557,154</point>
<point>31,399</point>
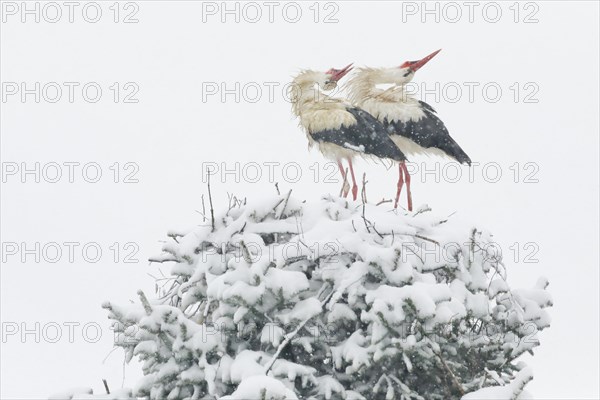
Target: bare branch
<point>452,376</point>
<point>292,334</point>
<point>273,210</point>
<point>414,252</point>
<point>285,204</point>
<point>422,210</point>
<point>163,260</point>
<point>106,386</point>
<point>212,212</point>
<point>174,236</point>
<point>363,192</point>
<point>426,238</point>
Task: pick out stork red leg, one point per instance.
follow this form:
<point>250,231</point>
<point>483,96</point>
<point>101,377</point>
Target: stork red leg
<point>354,185</point>
<point>400,183</point>
<point>345,185</point>
<point>408,193</point>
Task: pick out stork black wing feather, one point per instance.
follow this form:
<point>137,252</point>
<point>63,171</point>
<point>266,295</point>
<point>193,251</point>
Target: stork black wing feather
<point>427,106</point>
<point>428,132</point>
<point>367,136</point>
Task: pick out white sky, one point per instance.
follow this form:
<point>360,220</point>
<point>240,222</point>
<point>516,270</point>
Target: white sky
<point>171,54</point>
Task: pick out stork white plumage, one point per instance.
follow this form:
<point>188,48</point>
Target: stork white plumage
<point>338,129</point>
<point>411,123</point>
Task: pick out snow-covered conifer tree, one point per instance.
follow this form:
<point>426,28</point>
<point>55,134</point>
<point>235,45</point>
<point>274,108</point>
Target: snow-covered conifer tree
<point>284,299</point>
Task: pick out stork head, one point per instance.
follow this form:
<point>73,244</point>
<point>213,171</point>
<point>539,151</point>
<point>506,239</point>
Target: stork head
<point>332,76</point>
<point>407,70</point>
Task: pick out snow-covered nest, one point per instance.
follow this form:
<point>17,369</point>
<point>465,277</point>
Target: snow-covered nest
<point>330,299</point>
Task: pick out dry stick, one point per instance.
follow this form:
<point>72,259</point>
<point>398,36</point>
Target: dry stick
<point>229,206</point>
<point>106,386</point>
<point>174,236</point>
<point>109,353</point>
<point>427,239</point>
<point>365,220</point>
<point>291,335</point>
<point>383,201</point>
<point>416,235</point>
<point>285,204</point>
<point>203,215</point>
<point>341,291</point>
<point>277,187</point>
<point>301,229</point>
<point>212,212</point>
<point>454,380</point>
<point>364,201</point>
<point>363,204</point>
<point>446,220</point>
<point>232,202</point>
<point>422,210</point>
<point>243,227</point>
<point>288,338</point>
<point>376,231</point>
<point>203,210</point>
<point>363,193</point>
<point>273,210</point>
<point>414,252</point>
<point>163,260</point>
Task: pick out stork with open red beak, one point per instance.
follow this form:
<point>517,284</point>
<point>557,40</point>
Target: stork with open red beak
<point>338,129</point>
<point>412,124</point>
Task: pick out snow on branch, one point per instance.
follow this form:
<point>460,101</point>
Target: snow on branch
<point>327,299</point>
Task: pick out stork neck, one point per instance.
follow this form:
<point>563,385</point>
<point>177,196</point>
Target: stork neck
<point>307,96</point>
<point>397,93</point>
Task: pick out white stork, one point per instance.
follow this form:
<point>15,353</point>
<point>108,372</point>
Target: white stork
<point>411,123</point>
<point>338,129</point>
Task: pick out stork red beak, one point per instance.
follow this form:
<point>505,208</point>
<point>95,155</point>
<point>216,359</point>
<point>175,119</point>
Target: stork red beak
<point>337,74</point>
<point>418,64</point>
